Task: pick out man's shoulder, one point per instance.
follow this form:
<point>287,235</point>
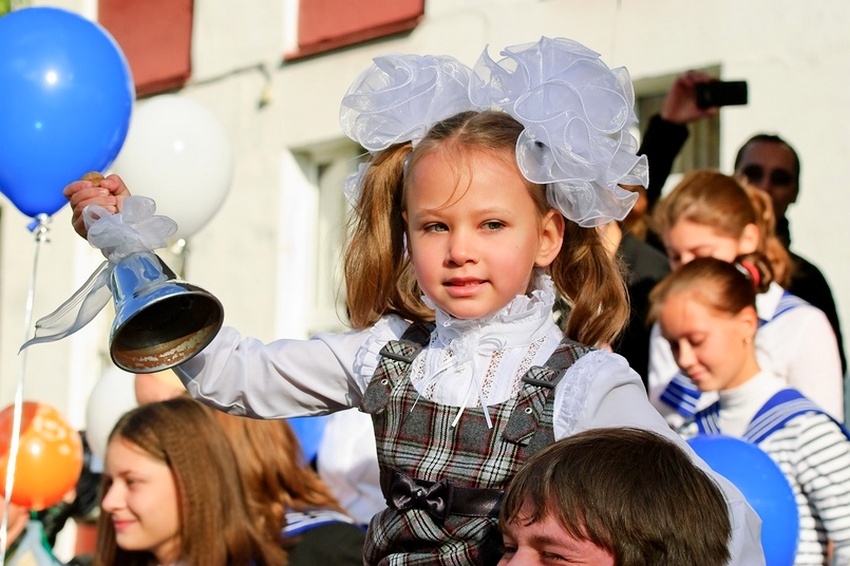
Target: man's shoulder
<point>642,260</point>
<point>807,280</point>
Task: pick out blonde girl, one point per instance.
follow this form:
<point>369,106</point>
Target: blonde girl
<point>709,214</point>
<point>472,217</point>
<point>172,495</point>
<point>707,313</point>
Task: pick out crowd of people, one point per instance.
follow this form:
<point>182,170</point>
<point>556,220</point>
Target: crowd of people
<point>492,263</point>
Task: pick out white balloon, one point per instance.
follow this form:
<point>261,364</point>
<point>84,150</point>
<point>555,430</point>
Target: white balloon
<point>113,395</point>
<point>179,154</point>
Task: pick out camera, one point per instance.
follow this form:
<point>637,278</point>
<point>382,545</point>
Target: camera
<point>721,93</point>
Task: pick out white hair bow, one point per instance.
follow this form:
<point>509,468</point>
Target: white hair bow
<point>576,112</point>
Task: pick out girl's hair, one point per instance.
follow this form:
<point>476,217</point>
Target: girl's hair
<point>636,221</point>
<point>721,286</point>
<point>710,198</point>
<point>629,491</point>
<point>274,474</point>
<point>215,527</point>
<point>379,276</point>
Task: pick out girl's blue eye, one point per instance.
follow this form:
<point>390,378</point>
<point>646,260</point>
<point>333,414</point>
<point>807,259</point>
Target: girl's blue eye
<point>435,228</point>
<point>493,225</point>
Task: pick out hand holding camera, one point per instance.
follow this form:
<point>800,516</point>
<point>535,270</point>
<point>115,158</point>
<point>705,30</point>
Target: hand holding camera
<point>696,95</point>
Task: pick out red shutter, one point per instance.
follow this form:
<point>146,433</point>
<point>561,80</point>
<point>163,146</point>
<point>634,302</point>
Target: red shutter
<point>156,38</point>
<point>328,24</point>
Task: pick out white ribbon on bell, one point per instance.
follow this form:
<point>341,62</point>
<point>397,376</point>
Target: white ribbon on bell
<point>135,229</point>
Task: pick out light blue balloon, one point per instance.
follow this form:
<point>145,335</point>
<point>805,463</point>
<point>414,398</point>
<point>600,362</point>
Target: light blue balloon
<point>66,95</point>
<point>765,487</point>
<point>309,431</point>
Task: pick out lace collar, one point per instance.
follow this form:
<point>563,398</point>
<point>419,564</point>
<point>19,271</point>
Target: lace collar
<point>464,347</point>
<point>519,323</point>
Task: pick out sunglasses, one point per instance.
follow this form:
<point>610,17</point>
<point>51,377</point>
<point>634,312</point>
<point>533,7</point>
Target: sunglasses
<point>778,177</point>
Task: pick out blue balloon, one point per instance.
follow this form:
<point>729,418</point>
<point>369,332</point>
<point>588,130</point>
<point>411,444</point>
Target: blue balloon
<point>309,431</point>
<point>765,487</point>
<point>66,94</point>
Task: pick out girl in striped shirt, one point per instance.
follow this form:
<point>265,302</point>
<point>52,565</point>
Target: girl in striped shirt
<point>706,312</point>
<point>709,214</point>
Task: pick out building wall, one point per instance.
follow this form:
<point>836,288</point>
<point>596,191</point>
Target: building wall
<point>256,253</point>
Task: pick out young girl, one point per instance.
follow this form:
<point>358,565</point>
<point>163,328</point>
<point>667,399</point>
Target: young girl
<point>172,494</point>
<point>711,214</point>
<point>285,497</point>
<point>469,220</point>
<point>707,313</point>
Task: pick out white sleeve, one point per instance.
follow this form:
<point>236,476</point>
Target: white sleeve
<point>603,391</point>
<point>800,347</point>
<point>348,463</point>
<point>284,378</point>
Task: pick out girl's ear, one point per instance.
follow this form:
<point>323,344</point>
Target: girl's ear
<point>551,238</point>
<point>749,240</point>
<point>749,319</point>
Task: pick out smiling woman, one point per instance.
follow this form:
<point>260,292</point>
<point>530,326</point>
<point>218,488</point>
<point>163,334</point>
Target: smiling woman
<point>172,495</point>
<point>142,502</point>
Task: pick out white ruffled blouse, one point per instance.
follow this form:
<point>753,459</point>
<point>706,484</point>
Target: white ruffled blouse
<point>468,363</point>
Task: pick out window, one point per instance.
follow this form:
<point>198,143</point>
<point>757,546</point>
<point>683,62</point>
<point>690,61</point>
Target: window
<point>702,149</point>
<point>326,168</point>
<point>156,38</point>
<point>324,25</point>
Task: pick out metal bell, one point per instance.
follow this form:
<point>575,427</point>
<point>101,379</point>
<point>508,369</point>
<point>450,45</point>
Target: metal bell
<point>160,320</point>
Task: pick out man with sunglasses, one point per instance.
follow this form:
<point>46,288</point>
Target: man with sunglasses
<point>765,161</point>
<point>769,163</point>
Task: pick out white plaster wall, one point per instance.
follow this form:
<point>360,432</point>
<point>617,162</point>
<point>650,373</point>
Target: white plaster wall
<point>795,55</point>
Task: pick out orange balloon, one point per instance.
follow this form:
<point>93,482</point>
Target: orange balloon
<point>50,455</point>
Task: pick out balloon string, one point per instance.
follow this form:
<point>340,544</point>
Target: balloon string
<point>181,249</point>
<point>40,231</point>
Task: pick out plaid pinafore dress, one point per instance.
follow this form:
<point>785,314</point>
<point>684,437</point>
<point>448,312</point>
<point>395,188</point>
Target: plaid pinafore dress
<point>443,484</point>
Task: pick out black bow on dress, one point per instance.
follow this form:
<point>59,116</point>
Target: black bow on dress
<point>407,493</point>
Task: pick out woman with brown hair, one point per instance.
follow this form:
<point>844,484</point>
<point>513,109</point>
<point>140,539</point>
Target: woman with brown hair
<point>709,214</point>
<point>172,494</point>
<point>707,312</point>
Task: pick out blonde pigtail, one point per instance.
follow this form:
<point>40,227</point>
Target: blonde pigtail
<point>592,283</point>
<point>379,278</point>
